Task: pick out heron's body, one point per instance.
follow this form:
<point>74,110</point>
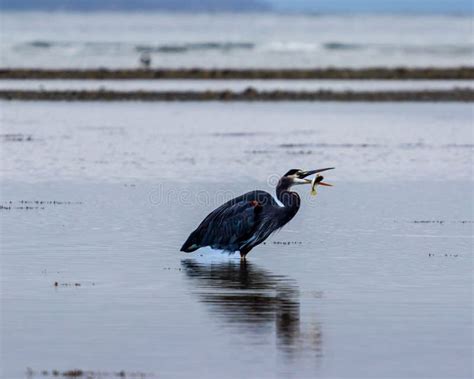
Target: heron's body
<point>247,220</point>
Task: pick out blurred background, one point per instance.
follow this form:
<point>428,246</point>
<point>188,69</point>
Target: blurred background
<point>271,33</point>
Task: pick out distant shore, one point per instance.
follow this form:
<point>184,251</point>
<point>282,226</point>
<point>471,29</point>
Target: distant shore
<point>375,73</point>
<point>250,94</point>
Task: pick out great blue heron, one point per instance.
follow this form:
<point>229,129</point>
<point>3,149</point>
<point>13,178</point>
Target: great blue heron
<point>246,221</point>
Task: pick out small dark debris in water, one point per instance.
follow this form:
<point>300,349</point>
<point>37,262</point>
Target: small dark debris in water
<point>65,284</point>
<point>236,134</point>
<point>49,202</point>
<point>129,185</point>
<point>329,145</point>
<point>287,242</point>
<point>459,146</point>
<point>348,145</point>
<point>89,374</point>
<point>428,222</point>
<point>440,222</point>
<point>73,373</point>
<point>256,152</point>
<point>300,152</point>
<point>24,208</point>
<point>34,204</point>
<point>411,145</point>
<point>15,137</point>
<point>447,255</point>
<point>292,145</point>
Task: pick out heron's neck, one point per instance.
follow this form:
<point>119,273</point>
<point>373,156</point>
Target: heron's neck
<point>291,200</point>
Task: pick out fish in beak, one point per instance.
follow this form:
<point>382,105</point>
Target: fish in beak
<point>317,180</point>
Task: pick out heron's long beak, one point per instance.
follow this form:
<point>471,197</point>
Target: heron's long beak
<point>311,172</point>
<point>317,171</point>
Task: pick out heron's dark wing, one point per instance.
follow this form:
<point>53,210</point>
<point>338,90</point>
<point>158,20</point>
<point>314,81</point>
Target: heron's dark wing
<point>230,225</point>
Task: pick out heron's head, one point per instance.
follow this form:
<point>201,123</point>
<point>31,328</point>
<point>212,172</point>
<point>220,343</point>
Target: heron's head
<point>296,176</point>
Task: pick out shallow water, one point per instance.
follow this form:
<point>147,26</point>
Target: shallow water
<point>371,279</point>
<point>161,142</point>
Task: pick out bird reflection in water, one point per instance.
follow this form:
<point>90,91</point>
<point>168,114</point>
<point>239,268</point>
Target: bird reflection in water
<point>255,301</point>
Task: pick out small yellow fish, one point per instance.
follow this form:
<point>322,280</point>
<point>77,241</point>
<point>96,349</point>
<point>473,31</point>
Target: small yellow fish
<point>318,180</point>
<point>314,183</point>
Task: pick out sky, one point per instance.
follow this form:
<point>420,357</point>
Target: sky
<point>316,6</point>
<point>430,6</point>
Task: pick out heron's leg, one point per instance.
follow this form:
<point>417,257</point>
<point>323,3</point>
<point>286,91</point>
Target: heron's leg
<point>243,254</point>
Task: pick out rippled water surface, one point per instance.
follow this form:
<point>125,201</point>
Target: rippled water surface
<point>373,277</point>
<point>118,39</point>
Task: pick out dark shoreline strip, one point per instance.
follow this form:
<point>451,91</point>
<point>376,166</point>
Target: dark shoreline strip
<point>379,73</point>
<point>459,95</point>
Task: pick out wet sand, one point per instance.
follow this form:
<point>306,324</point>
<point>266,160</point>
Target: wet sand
<point>379,73</point>
<point>249,94</point>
